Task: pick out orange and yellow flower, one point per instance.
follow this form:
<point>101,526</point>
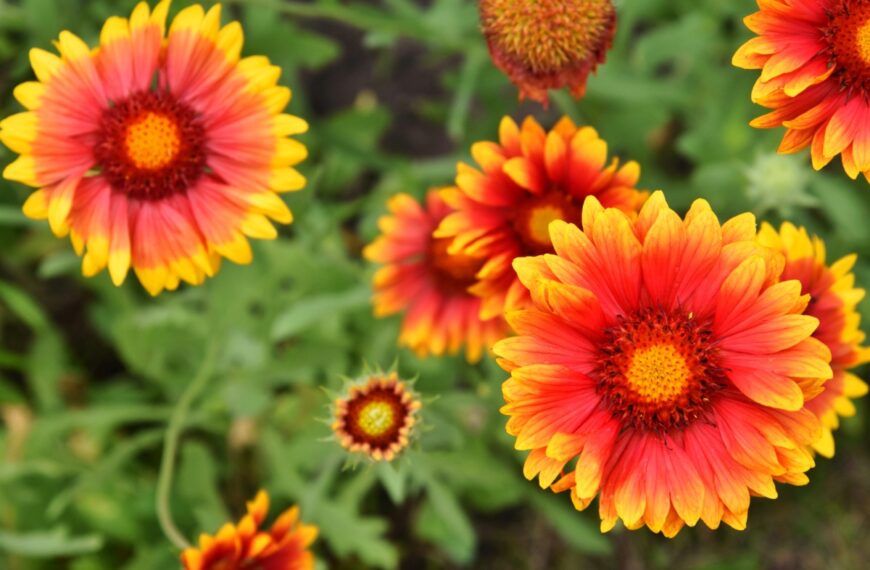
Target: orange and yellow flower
<point>420,278</point>
<point>663,367</point>
<point>815,76</point>
<point>833,301</point>
<point>157,151</point>
<point>526,180</point>
<point>376,417</point>
<point>548,44</point>
<point>243,546</point>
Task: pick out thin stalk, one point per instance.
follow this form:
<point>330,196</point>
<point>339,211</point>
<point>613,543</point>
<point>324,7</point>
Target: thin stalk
<point>170,446</point>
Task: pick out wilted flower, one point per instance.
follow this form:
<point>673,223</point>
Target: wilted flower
<point>548,44</point>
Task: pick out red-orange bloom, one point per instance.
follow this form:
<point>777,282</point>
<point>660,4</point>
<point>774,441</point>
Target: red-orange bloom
<point>663,367</point>
<point>160,151</point>
<point>814,58</point>
<point>420,278</point>
<point>376,417</point>
<point>548,44</point>
<point>245,546</point>
<point>834,300</point>
<point>525,181</point>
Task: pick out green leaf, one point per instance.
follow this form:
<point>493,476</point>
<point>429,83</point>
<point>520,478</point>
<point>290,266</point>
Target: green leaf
<point>307,312</point>
<point>393,476</point>
<point>574,527</point>
<point>48,544</point>
<point>447,525</point>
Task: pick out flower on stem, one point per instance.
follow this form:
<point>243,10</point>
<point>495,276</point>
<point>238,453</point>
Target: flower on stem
<point>376,416</point>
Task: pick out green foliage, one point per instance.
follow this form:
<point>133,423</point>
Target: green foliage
<point>396,92</point>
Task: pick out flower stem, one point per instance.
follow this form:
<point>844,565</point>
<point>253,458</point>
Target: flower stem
<point>170,446</point>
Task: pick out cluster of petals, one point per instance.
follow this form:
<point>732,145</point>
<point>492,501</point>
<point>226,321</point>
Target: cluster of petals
<point>834,302</point>
<point>420,278</point>
<point>376,417</point>
<point>815,77</point>
<point>161,150</point>
<point>245,545</point>
<point>523,182</point>
<point>663,367</point>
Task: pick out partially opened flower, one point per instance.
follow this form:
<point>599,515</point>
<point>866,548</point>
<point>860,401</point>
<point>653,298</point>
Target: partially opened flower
<point>526,180</point>
<point>430,286</point>
<point>245,546</point>
<point>833,300</point>
<point>663,367</point>
<point>161,152</point>
<point>376,416</point>
<point>815,76</point>
<point>548,44</point>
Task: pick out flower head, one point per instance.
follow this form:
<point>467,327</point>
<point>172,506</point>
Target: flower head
<point>526,180</point>
<point>548,44</point>
<point>420,278</point>
<point>161,151</point>
<point>376,416</point>
<point>814,57</point>
<point>663,367</point>
<point>242,546</point>
<point>834,300</point>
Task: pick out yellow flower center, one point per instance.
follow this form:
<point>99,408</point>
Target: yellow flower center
<point>862,41</point>
<point>533,217</point>
<point>453,274</point>
<point>376,418</point>
<point>658,373</point>
<point>539,222</point>
<point>153,141</point>
<point>658,369</point>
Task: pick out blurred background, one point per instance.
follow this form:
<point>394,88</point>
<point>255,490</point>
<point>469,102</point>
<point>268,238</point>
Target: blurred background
<point>396,91</point>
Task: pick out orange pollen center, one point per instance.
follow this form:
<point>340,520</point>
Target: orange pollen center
<point>848,37</point>
<point>533,219</point>
<point>545,36</point>
<point>153,141</point>
<point>375,418</point>
<point>453,273</point>
<point>658,373</point>
<point>151,145</point>
<point>658,369</point>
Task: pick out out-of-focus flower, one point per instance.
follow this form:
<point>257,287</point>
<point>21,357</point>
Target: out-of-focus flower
<point>245,546</point>
<point>548,44</point>
<point>157,151</point>
<point>667,359</point>
<point>815,76</point>
<point>526,180</point>
<point>376,416</point>
<point>833,300</point>
<point>777,183</point>
<point>420,278</point>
